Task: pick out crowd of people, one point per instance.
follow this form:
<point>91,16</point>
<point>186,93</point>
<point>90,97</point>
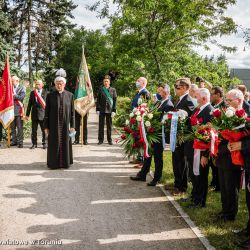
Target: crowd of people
<point>200,101</point>
<point>55,114</point>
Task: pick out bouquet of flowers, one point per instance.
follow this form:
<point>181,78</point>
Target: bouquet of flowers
<point>174,123</point>
<point>232,125</point>
<point>141,130</point>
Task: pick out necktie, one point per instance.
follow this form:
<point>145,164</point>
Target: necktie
<point>197,110</point>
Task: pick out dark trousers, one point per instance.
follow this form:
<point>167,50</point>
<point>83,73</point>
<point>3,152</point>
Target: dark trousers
<point>78,120</point>
<point>102,117</point>
<point>17,130</point>
<point>247,200</point>
<point>215,175</point>
<point>179,168</point>
<point>229,184</point>
<point>35,124</point>
<point>200,186</point>
<point>158,159</point>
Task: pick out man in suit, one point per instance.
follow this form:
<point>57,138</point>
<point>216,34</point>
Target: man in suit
<point>165,105</point>
<point>36,105</point>
<point>229,174</point>
<point>217,101</point>
<point>17,124</point>
<point>199,168</point>
<point>106,108</point>
<point>184,102</point>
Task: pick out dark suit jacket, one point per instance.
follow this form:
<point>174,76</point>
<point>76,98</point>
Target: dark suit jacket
<point>186,104</point>
<point>102,104</point>
<point>166,107</point>
<point>37,111</point>
<point>144,93</point>
<point>221,105</point>
<point>246,155</point>
<point>246,107</point>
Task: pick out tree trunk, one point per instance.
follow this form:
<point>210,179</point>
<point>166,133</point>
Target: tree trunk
<point>29,41</point>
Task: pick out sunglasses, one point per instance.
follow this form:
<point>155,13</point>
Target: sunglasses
<point>177,86</point>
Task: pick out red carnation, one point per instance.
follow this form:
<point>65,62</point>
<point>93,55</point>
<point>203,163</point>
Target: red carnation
<point>151,130</point>
<point>132,121</point>
<point>240,113</point>
<point>194,121</point>
<point>135,134</point>
<point>170,116</point>
<point>140,142</point>
<point>123,137</point>
<point>217,113</point>
<point>134,145</point>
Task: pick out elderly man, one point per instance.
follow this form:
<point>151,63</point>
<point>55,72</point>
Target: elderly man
<point>193,88</point>
<point>17,124</point>
<point>199,168</point>
<point>106,108</point>
<point>229,174</point>
<point>182,87</point>
<point>164,106</point>
<point>246,105</point>
<point>59,123</point>
<point>36,106</point>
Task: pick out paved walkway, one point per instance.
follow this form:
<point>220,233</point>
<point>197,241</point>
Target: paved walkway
<point>93,205</point>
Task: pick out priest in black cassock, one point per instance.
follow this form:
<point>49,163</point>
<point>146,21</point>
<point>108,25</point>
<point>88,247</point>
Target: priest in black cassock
<point>59,122</point>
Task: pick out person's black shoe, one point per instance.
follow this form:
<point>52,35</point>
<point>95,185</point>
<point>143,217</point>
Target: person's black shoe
<point>241,233</point>
<point>196,205</point>
<point>13,144</point>
<point>152,183</point>
<point>85,143</point>
<point>75,142</point>
<point>245,244</point>
<point>44,146</point>
<point>110,143</point>
<point>33,146</point>
<point>20,146</point>
<point>100,142</point>
<point>188,199</point>
<point>137,178</point>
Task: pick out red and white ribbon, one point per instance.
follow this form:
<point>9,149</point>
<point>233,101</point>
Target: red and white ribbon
<point>40,99</point>
<point>143,135</point>
<point>21,106</point>
<point>214,142</point>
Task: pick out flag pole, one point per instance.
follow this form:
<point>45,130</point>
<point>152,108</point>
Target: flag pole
<point>8,131</point>
<point>82,128</point>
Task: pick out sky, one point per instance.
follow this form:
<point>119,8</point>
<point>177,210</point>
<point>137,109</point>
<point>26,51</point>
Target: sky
<point>240,12</point>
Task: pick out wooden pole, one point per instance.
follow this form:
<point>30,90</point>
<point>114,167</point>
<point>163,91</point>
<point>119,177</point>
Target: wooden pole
<point>82,128</point>
<point>8,131</point>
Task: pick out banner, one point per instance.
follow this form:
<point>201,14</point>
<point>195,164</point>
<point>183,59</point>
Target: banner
<point>84,97</point>
<point>6,97</point>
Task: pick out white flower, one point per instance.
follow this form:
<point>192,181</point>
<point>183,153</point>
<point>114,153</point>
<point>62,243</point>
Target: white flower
<point>147,124</point>
<point>164,118</point>
<point>138,118</point>
<point>231,108</point>
<point>229,113</point>
<point>135,110</point>
<point>127,122</point>
<point>131,115</point>
<point>138,113</point>
<point>150,116</point>
<point>139,101</point>
<point>182,114</point>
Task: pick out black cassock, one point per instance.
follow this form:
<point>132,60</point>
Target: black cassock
<point>59,118</point>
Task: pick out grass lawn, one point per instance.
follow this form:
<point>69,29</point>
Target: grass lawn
<point>218,233</point>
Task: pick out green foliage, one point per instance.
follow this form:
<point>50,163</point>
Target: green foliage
<point>123,108</point>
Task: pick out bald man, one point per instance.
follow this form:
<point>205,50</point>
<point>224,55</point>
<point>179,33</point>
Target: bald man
<point>36,106</point>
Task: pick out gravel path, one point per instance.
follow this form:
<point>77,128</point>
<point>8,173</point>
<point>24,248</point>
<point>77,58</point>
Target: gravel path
<point>93,205</point>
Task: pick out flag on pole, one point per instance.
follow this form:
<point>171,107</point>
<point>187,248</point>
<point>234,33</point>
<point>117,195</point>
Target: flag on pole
<point>84,97</point>
<point>6,97</point>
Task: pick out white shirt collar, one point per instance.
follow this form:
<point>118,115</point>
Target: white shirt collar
<point>16,86</point>
<point>218,104</point>
<point>141,89</point>
<point>180,98</point>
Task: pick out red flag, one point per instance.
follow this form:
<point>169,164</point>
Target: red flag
<point>6,97</point>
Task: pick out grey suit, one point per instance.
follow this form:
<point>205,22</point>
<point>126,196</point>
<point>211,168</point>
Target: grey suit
<point>17,124</point>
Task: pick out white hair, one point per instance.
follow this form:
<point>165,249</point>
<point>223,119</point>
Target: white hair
<point>236,93</point>
<point>204,93</point>
<point>15,78</point>
<point>194,87</point>
<point>166,88</point>
<point>60,78</point>
<point>145,81</point>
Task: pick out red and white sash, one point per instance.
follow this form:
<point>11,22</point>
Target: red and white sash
<point>40,99</point>
<point>21,106</point>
